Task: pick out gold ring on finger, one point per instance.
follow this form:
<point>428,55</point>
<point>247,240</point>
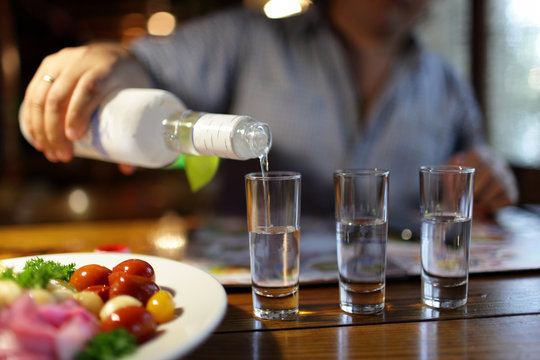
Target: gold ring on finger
<point>48,78</point>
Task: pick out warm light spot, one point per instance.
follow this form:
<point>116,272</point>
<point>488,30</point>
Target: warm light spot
<point>275,9</point>
<point>161,24</point>
<point>170,238</point>
<point>133,26</point>
<point>78,201</point>
<point>169,242</point>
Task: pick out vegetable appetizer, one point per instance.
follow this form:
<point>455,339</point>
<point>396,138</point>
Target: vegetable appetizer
<point>55,311</point>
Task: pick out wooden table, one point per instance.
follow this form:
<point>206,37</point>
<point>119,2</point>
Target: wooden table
<point>500,321</point>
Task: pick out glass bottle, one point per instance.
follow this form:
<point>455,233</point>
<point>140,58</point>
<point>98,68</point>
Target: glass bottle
<point>151,128</point>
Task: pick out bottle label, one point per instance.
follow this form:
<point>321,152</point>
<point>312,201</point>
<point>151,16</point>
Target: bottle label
<point>213,135</point>
<point>127,129</point>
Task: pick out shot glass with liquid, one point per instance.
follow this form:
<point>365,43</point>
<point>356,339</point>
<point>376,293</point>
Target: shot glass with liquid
<point>361,203</point>
<point>273,217</point>
<point>446,203</point>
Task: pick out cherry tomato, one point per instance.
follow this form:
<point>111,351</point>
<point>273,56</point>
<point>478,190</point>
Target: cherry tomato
<point>135,319</point>
<point>101,290</point>
<point>139,287</point>
<point>136,267</point>
<point>90,275</point>
<point>161,306</point>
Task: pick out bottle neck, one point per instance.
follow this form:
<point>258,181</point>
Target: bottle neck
<point>178,131</point>
<point>225,136</point>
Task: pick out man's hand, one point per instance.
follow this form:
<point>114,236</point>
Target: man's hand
<point>68,87</point>
<point>494,185</point>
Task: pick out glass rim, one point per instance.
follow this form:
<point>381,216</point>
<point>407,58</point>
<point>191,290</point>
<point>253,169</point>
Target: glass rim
<point>447,169</point>
<point>273,175</point>
<point>361,172</point>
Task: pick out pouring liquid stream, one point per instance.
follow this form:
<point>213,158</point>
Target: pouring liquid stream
<point>263,159</point>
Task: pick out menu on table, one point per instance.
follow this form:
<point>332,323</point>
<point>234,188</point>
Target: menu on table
<point>221,247</point>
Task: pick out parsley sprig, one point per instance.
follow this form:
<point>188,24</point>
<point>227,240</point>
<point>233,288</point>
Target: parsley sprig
<point>37,273</point>
<point>109,346</point>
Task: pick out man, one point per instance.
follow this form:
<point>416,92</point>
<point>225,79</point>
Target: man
<point>344,85</point>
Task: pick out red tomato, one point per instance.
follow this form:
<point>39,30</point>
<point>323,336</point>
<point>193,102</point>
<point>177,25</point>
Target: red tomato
<point>101,290</point>
<point>136,267</point>
<point>135,319</point>
<point>90,275</point>
<point>139,287</point>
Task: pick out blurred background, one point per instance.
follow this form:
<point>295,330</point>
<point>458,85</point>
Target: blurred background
<point>495,44</point>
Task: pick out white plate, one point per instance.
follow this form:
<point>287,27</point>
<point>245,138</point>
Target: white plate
<point>202,299</point>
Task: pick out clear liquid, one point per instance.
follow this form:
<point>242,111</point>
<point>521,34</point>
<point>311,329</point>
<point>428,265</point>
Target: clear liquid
<point>263,159</point>
<point>445,260</point>
<point>361,253</point>
<point>275,260</point>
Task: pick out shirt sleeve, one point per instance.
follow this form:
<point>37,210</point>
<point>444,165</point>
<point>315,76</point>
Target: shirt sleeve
<point>468,117</point>
<point>198,61</point>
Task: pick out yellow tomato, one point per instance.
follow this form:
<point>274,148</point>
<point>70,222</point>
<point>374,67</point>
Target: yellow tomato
<point>161,306</point>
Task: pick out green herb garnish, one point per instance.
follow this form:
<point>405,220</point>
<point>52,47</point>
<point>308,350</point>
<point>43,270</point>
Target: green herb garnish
<point>109,346</point>
<point>7,274</point>
<point>37,273</point>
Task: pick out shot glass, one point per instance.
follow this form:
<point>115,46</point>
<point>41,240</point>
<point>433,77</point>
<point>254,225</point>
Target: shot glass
<point>361,199</point>
<point>446,203</point>
<point>273,218</point>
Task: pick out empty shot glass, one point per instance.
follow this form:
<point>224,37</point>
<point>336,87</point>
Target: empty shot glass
<point>446,202</point>
<point>361,203</point>
<point>273,218</point>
